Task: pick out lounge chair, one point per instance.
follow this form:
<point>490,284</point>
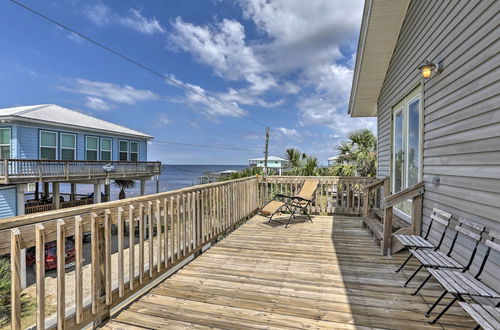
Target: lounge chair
<point>416,242</point>
<point>301,201</point>
<point>464,283</point>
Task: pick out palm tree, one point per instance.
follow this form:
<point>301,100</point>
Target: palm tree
<point>5,288</point>
<point>124,184</point>
<point>293,156</point>
<point>358,156</point>
<point>310,165</point>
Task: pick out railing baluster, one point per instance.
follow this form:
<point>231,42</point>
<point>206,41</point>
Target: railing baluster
<point>131,247</point>
<point>61,284</point>
<point>107,253</point>
<point>40,275</point>
<point>158,235</point>
<point>120,225</point>
<point>184,220</point>
<point>15,278</point>
<point>141,243</point>
<point>172,230</point>
<point>165,237</point>
<point>151,226</point>
<point>78,269</point>
<point>178,227</point>
<point>95,262</point>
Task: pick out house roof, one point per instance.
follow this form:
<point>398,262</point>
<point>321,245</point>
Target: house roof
<point>380,27</point>
<point>333,158</point>
<point>52,114</point>
<point>270,158</point>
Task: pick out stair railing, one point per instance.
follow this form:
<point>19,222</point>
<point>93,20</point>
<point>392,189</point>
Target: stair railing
<point>372,198</point>
<point>415,193</point>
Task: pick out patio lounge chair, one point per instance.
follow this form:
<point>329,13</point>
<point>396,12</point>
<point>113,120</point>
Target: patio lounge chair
<point>464,283</point>
<point>301,201</point>
<point>438,259</point>
<point>418,242</point>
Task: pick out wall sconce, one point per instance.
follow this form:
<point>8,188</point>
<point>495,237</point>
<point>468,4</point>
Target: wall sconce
<point>428,68</point>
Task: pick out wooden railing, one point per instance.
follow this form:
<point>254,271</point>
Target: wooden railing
<point>170,227</point>
<point>22,170</point>
<point>374,195</point>
<point>415,194</point>
<point>30,209</point>
<point>335,195</point>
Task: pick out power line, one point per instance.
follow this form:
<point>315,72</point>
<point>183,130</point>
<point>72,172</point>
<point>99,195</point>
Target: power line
<point>137,63</point>
<point>231,148</point>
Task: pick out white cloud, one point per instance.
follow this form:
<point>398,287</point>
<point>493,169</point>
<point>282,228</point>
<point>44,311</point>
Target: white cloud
<point>136,21</point>
<point>284,133</point>
<point>210,106</point>
<point>101,15</point>
<point>108,91</point>
<point>222,47</point>
<point>97,104</point>
<point>162,121</point>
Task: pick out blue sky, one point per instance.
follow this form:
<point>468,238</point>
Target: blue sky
<point>285,63</point>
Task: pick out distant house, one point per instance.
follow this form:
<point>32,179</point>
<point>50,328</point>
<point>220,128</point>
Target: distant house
<point>273,162</point>
<point>332,160</point>
<point>51,144</point>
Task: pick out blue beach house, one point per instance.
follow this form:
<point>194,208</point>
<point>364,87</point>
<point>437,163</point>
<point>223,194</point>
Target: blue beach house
<point>42,145</point>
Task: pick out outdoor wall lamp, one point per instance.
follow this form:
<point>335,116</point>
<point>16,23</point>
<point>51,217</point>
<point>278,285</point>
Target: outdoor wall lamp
<point>428,68</point>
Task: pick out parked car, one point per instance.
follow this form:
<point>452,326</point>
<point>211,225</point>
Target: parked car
<point>51,255</point>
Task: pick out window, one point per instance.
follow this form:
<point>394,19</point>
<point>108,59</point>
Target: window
<point>105,149</point>
<point>134,151</point>
<point>123,150</point>
<point>91,148</point>
<point>5,143</point>
<point>48,145</point>
<point>407,144</point>
<point>68,146</point>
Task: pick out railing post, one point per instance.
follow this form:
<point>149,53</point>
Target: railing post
<point>6,170</point>
<point>416,215</point>
<point>387,190</point>
<point>387,233</point>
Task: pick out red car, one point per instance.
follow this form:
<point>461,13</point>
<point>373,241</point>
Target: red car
<point>51,255</point>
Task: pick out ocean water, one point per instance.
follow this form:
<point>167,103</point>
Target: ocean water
<point>172,177</point>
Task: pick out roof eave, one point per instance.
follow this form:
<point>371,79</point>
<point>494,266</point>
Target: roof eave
<point>379,32</point>
<point>51,123</point>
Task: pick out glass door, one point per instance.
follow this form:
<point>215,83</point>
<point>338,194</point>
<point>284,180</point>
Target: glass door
<point>406,167</point>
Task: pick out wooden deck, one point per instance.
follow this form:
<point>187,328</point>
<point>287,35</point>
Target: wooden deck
<point>328,274</point>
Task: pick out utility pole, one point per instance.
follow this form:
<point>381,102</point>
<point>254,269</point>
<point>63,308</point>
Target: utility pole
<point>266,152</point>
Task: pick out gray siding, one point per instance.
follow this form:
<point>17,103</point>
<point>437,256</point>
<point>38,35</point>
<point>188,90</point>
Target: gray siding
<point>461,109</point>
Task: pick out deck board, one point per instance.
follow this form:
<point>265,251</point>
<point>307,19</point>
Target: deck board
<point>323,275</point>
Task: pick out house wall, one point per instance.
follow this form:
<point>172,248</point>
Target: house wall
<point>461,112</point>
<point>8,202</point>
<point>25,141</point>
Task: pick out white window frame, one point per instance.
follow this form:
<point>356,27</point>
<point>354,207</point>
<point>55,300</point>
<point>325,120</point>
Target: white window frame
<point>403,105</point>
<point>61,148</point>
<point>87,147</point>
<point>110,150</point>
<point>10,141</point>
<point>120,151</point>
<point>133,152</point>
<point>40,143</point>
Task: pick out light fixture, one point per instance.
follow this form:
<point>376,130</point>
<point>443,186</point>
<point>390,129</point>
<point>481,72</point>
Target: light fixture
<point>428,68</point>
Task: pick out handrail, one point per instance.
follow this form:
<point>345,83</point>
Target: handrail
<point>415,193</point>
<point>376,184</point>
<point>410,192</point>
<point>104,162</point>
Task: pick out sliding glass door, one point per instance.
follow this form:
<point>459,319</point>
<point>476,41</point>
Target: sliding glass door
<point>406,167</point>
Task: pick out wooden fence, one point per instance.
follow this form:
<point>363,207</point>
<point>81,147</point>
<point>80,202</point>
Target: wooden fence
<point>335,195</point>
<point>171,227</point>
